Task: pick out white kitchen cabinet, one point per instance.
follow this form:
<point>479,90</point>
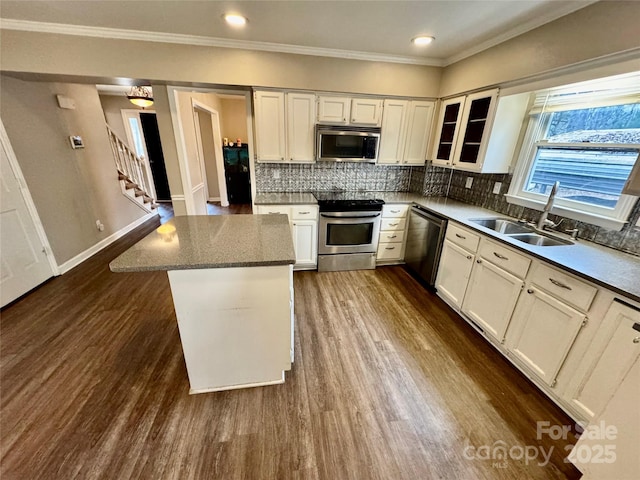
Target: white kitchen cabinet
<point>393,133</point>
<point>303,220</point>
<point>391,243</point>
<point>608,359</point>
<point>479,132</point>
<point>270,126</point>
<point>542,332</point>
<point>405,132</point>
<point>334,110</point>
<point>454,272</point>
<point>285,126</point>
<point>301,117</point>
<point>447,132</point>
<point>305,242</point>
<point>366,112</point>
<point>491,298</point>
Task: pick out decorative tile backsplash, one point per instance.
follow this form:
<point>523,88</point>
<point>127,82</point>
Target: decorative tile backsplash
<point>481,194</point>
<point>326,176</point>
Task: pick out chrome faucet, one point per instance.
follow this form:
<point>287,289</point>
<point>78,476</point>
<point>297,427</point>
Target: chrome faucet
<point>543,221</point>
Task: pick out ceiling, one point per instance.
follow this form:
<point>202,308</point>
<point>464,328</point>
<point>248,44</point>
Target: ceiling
<point>375,30</point>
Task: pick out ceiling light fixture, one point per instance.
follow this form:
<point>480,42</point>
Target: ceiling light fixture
<point>141,96</point>
<point>235,20</point>
<point>422,40</point>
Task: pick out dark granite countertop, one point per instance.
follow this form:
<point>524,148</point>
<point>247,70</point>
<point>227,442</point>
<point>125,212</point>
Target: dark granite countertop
<point>212,241</point>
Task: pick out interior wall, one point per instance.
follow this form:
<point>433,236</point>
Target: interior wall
<point>209,151</point>
<point>70,188</point>
<point>234,119</point>
<point>105,57</point>
<point>598,30</point>
<point>112,106</point>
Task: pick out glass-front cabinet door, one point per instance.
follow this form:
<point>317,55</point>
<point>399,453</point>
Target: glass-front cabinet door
<point>448,129</point>
<point>475,123</point>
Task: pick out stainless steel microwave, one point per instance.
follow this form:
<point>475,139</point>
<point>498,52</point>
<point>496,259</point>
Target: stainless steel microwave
<point>347,144</point>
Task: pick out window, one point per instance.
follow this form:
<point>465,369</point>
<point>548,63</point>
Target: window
<point>588,139</point>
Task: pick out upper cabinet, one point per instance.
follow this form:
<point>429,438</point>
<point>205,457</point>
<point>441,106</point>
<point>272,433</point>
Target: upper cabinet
<point>479,132</point>
<point>350,111</point>
<point>284,126</point>
<point>406,126</point>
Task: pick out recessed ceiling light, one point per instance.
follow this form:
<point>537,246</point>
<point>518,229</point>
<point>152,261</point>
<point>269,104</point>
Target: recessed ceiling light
<point>422,40</point>
<point>235,20</point>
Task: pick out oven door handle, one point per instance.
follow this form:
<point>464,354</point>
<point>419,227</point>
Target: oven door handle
<point>367,215</point>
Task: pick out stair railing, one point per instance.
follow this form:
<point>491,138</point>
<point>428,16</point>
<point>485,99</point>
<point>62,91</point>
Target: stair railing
<point>128,163</point>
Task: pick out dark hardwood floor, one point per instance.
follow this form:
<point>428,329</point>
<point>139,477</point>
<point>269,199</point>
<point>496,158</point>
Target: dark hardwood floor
<point>387,383</point>
<point>165,210</point>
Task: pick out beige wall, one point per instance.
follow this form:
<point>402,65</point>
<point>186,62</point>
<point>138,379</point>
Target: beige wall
<point>234,119</point>
<point>601,29</point>
<point>112,105</point>
<point>160,62</point>
<point>70,188</point>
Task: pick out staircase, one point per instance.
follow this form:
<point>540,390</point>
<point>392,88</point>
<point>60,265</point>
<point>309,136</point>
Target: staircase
<point>132,173</point>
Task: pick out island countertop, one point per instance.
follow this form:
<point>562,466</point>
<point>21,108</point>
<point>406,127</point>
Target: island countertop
<point>211,241</point>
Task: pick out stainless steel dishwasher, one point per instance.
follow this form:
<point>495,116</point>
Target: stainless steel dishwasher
<point>424,243</point>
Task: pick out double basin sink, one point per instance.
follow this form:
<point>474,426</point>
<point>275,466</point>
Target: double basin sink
<point>521,232</point>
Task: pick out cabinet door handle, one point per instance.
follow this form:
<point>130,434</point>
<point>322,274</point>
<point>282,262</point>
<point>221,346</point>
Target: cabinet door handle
<point>393,224</point>
<point>560,284</point>
<point>478,261</point>
<point>394,211</point>
<point>461,236</point>
<point>501,257</point>
<point>304,213</point>
<point>389,248</point>
<point>469,257</point>
<point>392,236</point>
<point>529,291</point>
<point>636,340</point>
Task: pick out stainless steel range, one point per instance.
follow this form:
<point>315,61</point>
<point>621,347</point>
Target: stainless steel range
<point>348,230</point>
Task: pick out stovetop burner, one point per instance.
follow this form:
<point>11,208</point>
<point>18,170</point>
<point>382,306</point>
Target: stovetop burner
<point>347,201</point>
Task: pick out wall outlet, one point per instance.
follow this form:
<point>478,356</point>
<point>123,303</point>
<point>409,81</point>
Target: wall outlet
<point>276,174</point>
<point>496,187</point>
<point>469,182</point>
<point>99,226</point>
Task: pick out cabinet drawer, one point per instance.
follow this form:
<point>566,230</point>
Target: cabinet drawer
<point>394,224</point>
<point>392,236</point>
<point>564,286</point>
<point>463,237</point>
<point>505,258</point>
<point>267,209</point>
<point>304,212</point>
<point>389,251</point>
<point>394,211</point>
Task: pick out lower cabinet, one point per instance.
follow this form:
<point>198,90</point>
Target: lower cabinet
<point>542,332</point>
<point>303,220</point>
<point>393,227</point>
<point>491,298</point>
<point>454,272</point>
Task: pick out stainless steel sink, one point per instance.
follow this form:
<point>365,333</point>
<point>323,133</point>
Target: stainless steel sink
<point>503,225</point>
<point>520,232</point>
<point>540,240</point>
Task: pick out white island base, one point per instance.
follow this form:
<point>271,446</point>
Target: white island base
<point>236,325</point>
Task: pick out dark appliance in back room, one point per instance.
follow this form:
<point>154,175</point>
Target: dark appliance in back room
<point>348,230</point>
<point>425,237</point>
<point>236,172</point>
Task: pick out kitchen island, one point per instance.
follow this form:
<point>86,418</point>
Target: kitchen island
<point>231,279</point>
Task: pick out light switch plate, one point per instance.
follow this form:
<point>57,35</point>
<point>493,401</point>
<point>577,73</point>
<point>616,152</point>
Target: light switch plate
<point>469,182</point>
<point>496,187</point>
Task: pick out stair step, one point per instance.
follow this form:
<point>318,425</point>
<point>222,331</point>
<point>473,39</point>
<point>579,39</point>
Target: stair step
<point>147,199</point>
<point>122,176</point>
<point>128,184</point>
<point>140,193</point>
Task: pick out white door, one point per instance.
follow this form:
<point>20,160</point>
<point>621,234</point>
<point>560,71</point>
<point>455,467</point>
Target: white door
<point>366,111</point>
<point>334,110</point>
<point>541,333</point>
<point>301,120</point>
<point>393,131</point>
<point>454,272</point>
<point>23,261</point>
<point>418,130</point>
<point>305,237</point>
<point>491,298</point>
<point>270,126</point>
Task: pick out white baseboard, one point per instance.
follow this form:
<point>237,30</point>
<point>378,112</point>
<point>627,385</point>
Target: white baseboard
<point>213,199</point>
<point>81,257</point>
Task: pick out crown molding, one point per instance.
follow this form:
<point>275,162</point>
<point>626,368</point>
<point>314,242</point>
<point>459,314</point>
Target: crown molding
<point>519,30</point>
<point>202,41</point>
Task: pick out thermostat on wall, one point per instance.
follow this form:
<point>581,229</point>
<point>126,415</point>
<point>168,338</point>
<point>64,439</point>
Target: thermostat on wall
<point>76,141</point>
